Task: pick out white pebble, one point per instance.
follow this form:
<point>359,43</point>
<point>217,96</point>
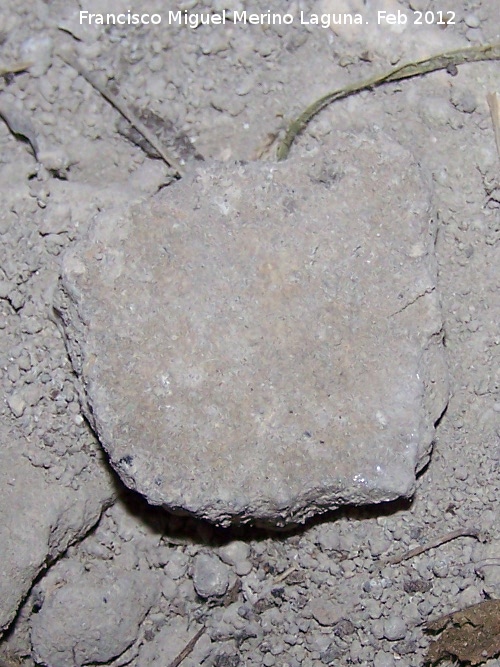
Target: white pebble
<point>37,49</point>
<point>472,20</point>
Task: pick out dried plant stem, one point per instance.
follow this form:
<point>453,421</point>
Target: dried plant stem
<point>407,71</point>
<point>494,104</point>
<point>432,544</point>
<point>15,68</point>
<point>121,106</point>
<point>187,649</point>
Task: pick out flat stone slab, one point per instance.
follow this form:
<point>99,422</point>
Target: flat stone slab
<point>262,341</point>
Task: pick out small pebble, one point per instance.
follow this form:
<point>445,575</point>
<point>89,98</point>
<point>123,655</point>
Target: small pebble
<point>234,552</point>
<point>355,651</point>
<point>270,620</point>
<point>289,639</point>
<point>326,612</point>
<point>331,655</point>
<point>304,624</point>
<point>378,545</point>
<point>277,647</point>
<point>394,628</point>
<point>210,576</point>
<point>461,473</point>
<point>383,659</point>
<point>245,86</point>
<point>425,608</point>
<point>13,373</point>
<point>317,641</point>
<point>5,288</point>
<point>186,591</point>
<point>474,35</point>
<point>464,100</point>
<point>419,5</point>
<point>468,597</point>
<point>472,21</point>
<point>245,611</point>
<point>177,565</point>
<point>347,569</point>
<point>373,609</point>
<point>17,404</point>
<point>243,567</point>
<point>441,568</point>
<point>375,587</point>
<point>328,539</point>
<point>488,520</point>
<point>377,629</point>
<point>232,618</point>
<point>37,49</point>
<point>168,588</point>
<point>157,63</point>
<point>24,362</point>
<point>216,43</point>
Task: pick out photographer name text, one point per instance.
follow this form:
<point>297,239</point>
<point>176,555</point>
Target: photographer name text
<point>194,20</point>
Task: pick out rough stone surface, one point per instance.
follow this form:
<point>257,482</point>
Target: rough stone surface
<point>89,616</point>
<point>87,166</point>
<point>263,341</point>
<point>39,519</point>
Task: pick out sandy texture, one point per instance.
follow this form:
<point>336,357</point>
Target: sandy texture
<point>264,341</point>
<point>323,594</point>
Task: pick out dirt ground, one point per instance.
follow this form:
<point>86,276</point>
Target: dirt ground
<point>91,574</point>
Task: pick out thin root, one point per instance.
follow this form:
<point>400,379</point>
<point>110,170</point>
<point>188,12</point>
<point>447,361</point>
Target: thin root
<point>432,544</point>
<point>120,106</point>
<point>407,71</point>
<point>187,649</point>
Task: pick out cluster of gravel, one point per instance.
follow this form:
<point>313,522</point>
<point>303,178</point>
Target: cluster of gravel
<point>309,598</point>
